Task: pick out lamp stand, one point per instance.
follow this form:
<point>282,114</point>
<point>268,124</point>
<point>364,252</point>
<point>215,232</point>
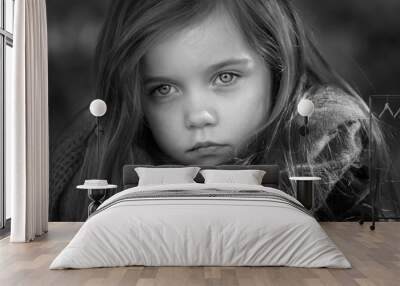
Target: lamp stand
<point>98,144</point>
<point>304,131</point>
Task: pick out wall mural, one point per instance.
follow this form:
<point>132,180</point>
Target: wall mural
<point>207,84</point>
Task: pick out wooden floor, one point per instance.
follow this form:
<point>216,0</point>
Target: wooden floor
<point>375,257</point>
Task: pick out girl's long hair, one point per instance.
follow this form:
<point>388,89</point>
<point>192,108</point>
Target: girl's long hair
<point>271,27</point>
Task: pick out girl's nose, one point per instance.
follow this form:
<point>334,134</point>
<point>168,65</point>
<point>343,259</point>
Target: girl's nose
<point>200,119</point>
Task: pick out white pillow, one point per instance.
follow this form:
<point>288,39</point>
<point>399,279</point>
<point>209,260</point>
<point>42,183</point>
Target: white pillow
<point>161,176</point>
<point>248,177</point>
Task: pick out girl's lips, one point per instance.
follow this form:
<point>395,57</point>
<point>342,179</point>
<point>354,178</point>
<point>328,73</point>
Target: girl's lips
<point>208,148</point>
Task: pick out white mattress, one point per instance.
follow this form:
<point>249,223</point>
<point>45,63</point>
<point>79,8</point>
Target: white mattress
<point>192,231</point>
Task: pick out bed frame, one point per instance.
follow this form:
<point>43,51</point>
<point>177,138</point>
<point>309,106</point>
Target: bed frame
<point>271,178</point>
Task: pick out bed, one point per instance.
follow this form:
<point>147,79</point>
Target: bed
<point>201,224</point>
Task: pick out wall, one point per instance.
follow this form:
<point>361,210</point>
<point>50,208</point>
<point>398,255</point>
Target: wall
<point>359,39</point>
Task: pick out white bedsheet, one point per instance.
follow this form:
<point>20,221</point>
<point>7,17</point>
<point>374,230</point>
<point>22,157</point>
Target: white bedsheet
<point>200,231</point>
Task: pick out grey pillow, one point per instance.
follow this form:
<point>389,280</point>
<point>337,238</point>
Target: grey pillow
<point>248,177</point>
<point>161,176</point>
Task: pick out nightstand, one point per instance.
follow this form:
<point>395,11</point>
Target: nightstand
<point>96,195</point>
<point>305,190</point>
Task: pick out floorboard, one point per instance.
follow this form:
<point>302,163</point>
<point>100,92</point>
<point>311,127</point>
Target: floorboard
<point>374,255</point>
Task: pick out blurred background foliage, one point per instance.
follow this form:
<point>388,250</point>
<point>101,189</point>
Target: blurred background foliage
<point>361,39</point>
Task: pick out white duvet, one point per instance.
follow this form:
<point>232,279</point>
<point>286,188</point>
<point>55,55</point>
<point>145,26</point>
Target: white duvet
<point>200,231</point>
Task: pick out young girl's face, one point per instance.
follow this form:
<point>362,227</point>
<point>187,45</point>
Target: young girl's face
<point>206,91</point>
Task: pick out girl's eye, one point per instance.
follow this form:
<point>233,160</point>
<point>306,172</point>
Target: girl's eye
<point>226,78</point>
<point>163,90</point>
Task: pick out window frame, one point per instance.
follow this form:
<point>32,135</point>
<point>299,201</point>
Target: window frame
<point>6,39</point>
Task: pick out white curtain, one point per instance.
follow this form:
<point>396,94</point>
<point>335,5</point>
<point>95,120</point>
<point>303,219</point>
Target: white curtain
<point>27,143</point>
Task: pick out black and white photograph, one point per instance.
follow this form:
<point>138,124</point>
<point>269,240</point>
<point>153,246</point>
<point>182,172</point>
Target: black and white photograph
<point>216,83</point>
<point>176,141</point>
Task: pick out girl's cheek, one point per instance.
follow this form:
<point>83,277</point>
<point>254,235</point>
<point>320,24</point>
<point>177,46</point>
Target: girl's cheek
<point>247,106</point>
<point>164,116</point>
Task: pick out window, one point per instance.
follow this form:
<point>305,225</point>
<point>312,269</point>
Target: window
<point>6,63</point>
